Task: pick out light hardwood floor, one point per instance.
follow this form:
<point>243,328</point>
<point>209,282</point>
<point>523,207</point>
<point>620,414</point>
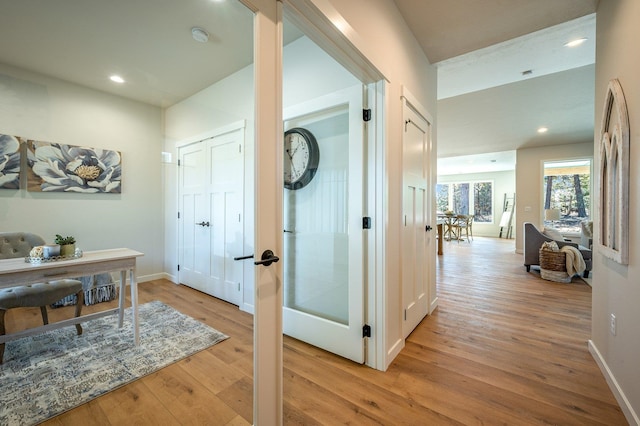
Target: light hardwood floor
<point>504,347</point>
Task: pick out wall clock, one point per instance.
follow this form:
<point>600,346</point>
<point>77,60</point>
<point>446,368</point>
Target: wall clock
<point>301,158</point>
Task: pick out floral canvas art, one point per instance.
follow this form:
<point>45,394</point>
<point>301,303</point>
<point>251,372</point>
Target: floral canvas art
<point>57,167</point>
<point>9,162</point>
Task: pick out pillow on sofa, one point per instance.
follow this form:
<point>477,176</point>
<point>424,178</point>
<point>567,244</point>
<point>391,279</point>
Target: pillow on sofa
<point>554,234</point>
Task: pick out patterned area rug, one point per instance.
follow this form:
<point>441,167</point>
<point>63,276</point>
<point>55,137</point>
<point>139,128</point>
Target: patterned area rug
<point>47,374</point>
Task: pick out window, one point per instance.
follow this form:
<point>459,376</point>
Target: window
<point>567,194</point>
<point>474,198</point>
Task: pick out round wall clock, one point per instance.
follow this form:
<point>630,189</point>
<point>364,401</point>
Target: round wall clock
<point>301,158</point>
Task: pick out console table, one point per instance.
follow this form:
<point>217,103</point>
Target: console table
<point>15,272</point>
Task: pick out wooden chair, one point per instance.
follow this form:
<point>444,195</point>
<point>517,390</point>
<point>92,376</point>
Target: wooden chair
<point>464,223</point>
<point>19,244</point>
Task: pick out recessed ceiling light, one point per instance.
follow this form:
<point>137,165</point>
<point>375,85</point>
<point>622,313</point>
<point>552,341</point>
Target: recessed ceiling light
<point>199,34</point>
<point>542,130</point>
<point>116,79</point>
<point>576,42</point>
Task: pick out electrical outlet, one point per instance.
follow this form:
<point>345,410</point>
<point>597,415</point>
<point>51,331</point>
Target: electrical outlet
<point>612,324</point>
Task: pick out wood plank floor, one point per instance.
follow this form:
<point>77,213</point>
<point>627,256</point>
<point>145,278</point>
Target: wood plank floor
<point>504,347</point>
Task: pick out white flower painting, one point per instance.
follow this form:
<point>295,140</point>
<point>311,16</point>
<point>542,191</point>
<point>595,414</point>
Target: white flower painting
<point>59,167</point>
<point>9,162</point>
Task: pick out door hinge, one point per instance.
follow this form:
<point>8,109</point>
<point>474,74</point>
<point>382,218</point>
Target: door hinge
<point>239,148</point>
<point>178,215</point>
<point>178,267</point>
<point>178,162</point>
<point>366,222</point>
<point>366,114</point>
<point>366,330</point>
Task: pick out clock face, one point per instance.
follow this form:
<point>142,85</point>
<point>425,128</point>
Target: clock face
<point>301,158</point>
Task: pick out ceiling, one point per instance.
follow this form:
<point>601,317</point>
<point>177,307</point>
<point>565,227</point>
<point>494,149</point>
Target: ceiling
<point>487,108</point>
<point>480,49</point>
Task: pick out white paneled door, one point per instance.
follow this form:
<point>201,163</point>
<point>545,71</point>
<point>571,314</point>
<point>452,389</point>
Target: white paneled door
<point>211,215</point>
<point>324,247</point>
<point>416,219</point>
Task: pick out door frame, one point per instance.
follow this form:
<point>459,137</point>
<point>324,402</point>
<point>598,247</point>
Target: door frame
<point>305,14</point>
<point>268,366</point>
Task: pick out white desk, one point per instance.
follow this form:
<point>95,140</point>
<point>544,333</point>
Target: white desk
<point>15,272</point>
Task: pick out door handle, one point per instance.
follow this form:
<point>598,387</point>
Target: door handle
<point>429,228</point>
<point>203,223</point>
<point>268,257</point>
<point>243,257</point>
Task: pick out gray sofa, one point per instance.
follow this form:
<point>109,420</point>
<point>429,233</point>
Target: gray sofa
<point>533,240</point>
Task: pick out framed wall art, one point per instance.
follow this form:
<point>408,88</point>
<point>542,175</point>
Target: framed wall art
<point>57,167</point>
<point>9,162</point>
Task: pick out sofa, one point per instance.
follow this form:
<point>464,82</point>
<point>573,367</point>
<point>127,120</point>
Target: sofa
<point>533,240</point>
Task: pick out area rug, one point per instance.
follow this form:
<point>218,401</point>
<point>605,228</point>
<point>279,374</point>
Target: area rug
<point>47,374</point>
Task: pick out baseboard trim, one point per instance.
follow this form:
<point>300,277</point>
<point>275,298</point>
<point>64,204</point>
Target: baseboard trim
<point>393,352</point>
<point>627,409</point>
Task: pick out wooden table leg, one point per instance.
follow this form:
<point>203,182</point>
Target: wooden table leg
<point>440,238</point>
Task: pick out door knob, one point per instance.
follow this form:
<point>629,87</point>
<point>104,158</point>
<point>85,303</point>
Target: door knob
<point>268,257</point>
<point>429,228</point>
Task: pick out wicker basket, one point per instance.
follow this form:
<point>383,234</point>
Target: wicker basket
<point>553,260</point>
<point>553,266</point>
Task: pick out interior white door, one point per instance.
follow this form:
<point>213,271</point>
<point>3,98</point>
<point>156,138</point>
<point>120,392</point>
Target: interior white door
<point>193,251</point>
<point>416,218</point>
<point>211,215</point>
<point>324,247</point>
<point>225,202</point>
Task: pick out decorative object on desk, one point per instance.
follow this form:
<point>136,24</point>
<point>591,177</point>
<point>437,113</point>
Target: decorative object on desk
<point>9,162</point>
<point>56,167</point>
<point>41,376</point>
<point>50,250</point>
<point>67,245</point>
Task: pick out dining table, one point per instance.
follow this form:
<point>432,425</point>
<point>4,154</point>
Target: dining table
<point>449,221</point>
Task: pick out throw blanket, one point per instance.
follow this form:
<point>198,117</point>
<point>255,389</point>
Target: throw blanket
<point>575,262</point>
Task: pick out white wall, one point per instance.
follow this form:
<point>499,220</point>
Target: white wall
<point>529,178</point>
<point>616,288</point>
<point>46,109</point>
<point>503,183</point>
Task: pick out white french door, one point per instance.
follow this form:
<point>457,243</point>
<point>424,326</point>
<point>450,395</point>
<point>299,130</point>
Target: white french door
<point>211,210</point>
<point>324,247</point>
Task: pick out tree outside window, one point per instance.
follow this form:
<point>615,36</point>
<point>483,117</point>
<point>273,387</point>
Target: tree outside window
<point>567,189</point>
<point>467,198</point>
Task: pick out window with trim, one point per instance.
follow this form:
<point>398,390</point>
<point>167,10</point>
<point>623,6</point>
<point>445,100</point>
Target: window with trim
<point>567,194</point>
<point>474,198</point>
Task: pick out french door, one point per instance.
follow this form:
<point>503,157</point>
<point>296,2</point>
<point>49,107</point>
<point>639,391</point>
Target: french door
<point>324,248</point>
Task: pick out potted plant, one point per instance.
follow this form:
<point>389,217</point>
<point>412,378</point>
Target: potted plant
<point>67,245</point>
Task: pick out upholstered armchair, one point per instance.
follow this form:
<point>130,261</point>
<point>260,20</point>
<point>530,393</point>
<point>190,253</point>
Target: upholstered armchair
<point>533,240</point>
<point>19,244</point>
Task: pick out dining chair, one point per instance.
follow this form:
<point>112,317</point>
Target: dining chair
<point>464,223</point>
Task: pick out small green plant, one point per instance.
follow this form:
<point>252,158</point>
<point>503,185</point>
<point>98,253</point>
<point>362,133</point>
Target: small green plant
<point>63,241</point>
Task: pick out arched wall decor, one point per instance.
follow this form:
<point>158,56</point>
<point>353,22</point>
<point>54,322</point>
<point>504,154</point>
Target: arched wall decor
<point>614,176</point>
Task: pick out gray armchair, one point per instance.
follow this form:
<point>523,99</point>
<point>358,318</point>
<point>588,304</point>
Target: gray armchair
<point>533,240</point>
<point>19,244</point>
